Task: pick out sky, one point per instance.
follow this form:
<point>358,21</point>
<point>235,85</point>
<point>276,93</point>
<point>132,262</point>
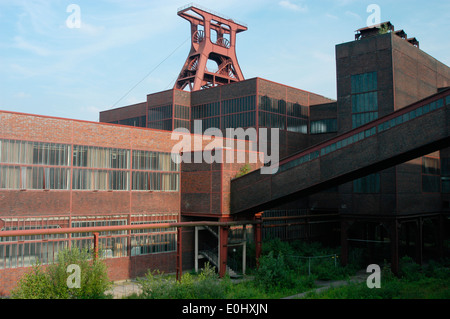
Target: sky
<point>123,50</point>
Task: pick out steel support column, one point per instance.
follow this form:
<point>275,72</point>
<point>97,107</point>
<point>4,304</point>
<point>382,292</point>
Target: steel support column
<point>258,237</point>
<point>179,254</point>
<point>344,243</point>
<point>223,250</point>
<point>394,226</point>
<point>95,245</point>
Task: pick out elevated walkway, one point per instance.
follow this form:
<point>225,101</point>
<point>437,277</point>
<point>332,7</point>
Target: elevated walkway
<point>413,131</point>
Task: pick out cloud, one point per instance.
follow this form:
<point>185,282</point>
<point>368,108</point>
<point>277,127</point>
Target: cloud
<point>353,15</point>
<point>21,43</point>
<point>22,95</point>
<point>292,6</point>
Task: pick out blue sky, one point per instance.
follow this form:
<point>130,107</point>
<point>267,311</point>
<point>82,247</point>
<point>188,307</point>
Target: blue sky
<point>50,69</point>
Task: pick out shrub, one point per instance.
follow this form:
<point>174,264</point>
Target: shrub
<point>408,269</point>
<point>52,282</point>
<point>274,272</point>
<point>205,286</point>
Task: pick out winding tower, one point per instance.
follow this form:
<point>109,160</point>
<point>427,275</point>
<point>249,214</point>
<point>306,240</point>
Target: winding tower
<point>213,39</point>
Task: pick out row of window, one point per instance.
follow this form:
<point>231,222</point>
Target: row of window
<point>19,177</point>
<point>165,125</point>
<point>367,184</point>
<point>95,168</point>
<point>139,121</point>
<point>364,98</point>
<point>160,113</point>
<point>100,157</point>
<point>431,174</point>
<point>181,112</point>
<point>246,119</point>
<point>54,178</point>
<point>365,82</point>
<point>242,104</point>
<point>282,107</point>
<point>34,153</point>
<point>28,250</point>
<point>181,124</point>
<point>365,102</point>
<point>360,119</point>
<point>154,161</point>
<point>205,110</point>
<point>323,126</point>
<point>411,115</point>
<point>328,149</point>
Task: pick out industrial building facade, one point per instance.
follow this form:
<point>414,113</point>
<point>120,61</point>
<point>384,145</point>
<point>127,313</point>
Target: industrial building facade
<point>61,173</point>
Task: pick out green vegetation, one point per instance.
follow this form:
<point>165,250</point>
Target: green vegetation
<point>281,273</point>
<point>431,281</point>
<point>244,170</point>
<point>51,282</point>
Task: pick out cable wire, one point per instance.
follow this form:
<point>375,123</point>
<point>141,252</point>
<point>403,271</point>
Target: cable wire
<point>149,73</point>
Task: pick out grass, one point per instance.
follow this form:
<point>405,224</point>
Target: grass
<point>281,275</point>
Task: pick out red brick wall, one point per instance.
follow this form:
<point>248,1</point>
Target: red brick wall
<point>16,203</point>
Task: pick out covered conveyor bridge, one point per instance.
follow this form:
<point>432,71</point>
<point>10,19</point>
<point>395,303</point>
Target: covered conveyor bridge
<point>413,131</point>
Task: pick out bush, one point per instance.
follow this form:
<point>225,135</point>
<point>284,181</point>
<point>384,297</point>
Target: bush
<point>52,282</point>
<point>408,269</point>
<point>205,286</point>
<point>274,272</point>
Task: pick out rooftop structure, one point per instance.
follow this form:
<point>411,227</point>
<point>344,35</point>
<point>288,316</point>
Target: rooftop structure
<point>213,38</point>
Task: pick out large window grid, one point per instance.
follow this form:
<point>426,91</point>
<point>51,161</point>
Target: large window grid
<point>431,174</point>
<point>97,168</point>
<point>24,251</point>
<point>156,240</point>
<point>160,117</point>
<point>364,98</point>
<point>369,184</point>
<point>154,171</point>
<point>34,165</point>
<point>181,117</point>
<point>275,113</point>
<point>445,174</point>
<point>112,244</point>
<point>323,126</point>
<point>139,121</point>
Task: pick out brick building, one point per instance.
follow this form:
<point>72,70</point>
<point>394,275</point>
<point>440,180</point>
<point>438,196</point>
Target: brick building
<point>62,173</point>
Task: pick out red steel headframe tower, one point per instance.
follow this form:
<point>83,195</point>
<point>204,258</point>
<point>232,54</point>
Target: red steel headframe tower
<point>213,38</point>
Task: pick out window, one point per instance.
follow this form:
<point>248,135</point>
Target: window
<point>367,184</point>
<point>431,175</point>
<point>160,117</point>
<point>134,121</point>
<point>181,112</point>
<point>324,126</point>
<point>157,240</point>
<point>24,251</point>
<point>97,168</point>
<point>154,171</point>
<point>43,165</point>
<point>364,98</point>
<point>243,104</point>
<point>445,175</point>
<point>114,245</point>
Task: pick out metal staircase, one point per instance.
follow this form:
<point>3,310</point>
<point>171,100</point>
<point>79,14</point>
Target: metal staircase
<point>211,255</point>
